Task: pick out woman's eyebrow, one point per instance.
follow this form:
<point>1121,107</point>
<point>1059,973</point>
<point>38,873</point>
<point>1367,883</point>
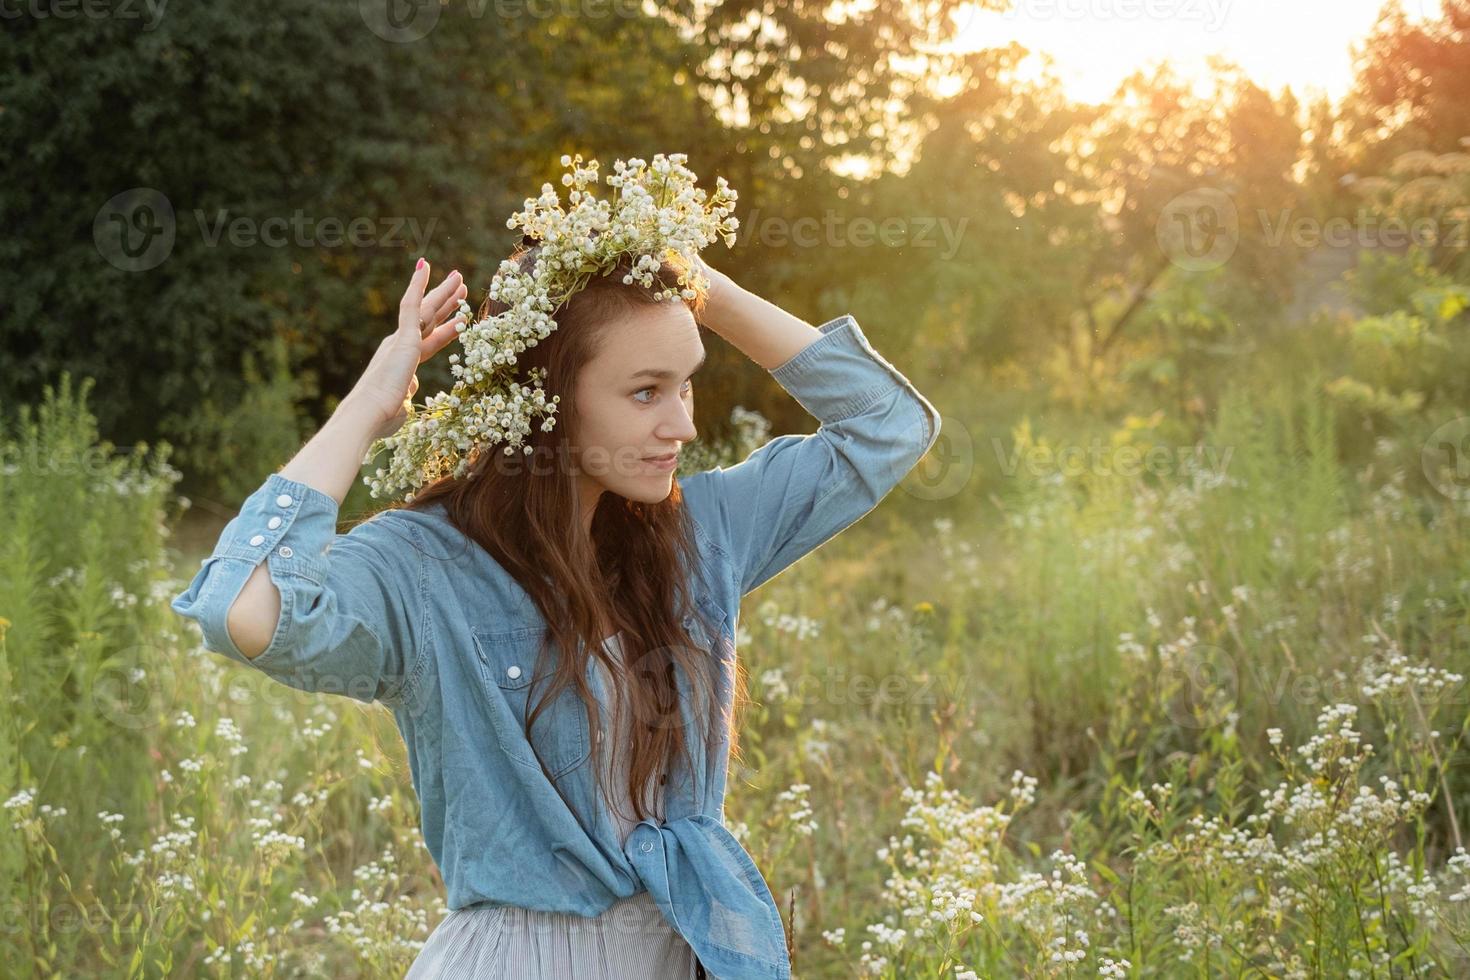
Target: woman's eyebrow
<point>664,374</point>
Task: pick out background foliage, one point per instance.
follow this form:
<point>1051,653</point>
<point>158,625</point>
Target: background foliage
<point>1119,729</point>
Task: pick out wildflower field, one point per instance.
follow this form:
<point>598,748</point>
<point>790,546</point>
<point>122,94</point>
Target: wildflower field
<point>1156,666</point>
<point>1204,718</point>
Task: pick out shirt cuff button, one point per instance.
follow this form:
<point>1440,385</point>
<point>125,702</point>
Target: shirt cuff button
<point>256,541</point>
<point>284,500</point>
<point>285,551</point>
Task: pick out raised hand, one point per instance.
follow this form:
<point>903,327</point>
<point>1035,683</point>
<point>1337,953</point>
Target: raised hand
<point>426,325</point>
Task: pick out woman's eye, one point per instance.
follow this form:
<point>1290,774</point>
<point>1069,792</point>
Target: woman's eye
<point>688,384</point>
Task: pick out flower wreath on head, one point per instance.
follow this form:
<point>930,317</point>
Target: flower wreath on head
<point>656,211</point>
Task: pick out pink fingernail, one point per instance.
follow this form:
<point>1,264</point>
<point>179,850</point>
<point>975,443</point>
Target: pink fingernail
<point>420,265</point>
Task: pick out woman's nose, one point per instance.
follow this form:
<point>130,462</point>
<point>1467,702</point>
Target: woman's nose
<point>680,426</point>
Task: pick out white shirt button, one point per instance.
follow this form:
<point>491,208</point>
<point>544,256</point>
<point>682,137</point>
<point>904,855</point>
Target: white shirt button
<point>646,846</point>
<point>284,500</point>
<point>513,671</point>
<point>273,523</point>
<point>285,551</point>
<point>257,540</point>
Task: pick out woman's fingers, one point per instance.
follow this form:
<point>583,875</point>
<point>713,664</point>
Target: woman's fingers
<point>436,339</point>
<point>422,311</point>
<point>449,306</point>
<point>413,297</point>
<point>439,296</point>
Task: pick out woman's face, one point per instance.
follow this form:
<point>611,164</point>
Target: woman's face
<point>635,400</point>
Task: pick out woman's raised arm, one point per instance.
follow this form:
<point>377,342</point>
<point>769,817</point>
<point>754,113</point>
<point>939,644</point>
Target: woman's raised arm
<point>797,491</point>
<point>271,596</point>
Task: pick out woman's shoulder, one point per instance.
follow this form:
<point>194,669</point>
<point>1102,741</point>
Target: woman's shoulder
<point>700,497</point>
<point>428,529</point>
<point>426,516</point>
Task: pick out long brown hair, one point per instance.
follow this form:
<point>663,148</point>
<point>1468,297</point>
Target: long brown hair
<point>633,573</point>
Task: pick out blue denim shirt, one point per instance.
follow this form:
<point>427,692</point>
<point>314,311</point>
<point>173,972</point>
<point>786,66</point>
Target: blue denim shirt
<point>398,610</point>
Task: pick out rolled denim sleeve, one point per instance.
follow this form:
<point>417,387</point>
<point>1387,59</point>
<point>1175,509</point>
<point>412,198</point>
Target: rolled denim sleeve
<point>351,604</point>
<point>796,492</point>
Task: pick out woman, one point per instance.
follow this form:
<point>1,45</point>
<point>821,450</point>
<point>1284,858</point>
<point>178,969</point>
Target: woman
<point>573,804</point>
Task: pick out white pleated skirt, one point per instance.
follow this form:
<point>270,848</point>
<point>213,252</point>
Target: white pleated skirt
<point>630,941</point>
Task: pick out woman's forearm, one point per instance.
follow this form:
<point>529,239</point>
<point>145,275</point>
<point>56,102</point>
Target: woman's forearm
<point>329,462</point>
<point>331,459</point>
<point>758,328</point>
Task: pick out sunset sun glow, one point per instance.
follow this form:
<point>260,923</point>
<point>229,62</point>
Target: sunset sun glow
<point>1095,44</point>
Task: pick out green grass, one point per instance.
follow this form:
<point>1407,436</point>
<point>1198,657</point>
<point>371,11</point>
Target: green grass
<point>1048,723</point>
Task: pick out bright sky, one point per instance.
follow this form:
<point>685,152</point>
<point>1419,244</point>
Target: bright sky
<point>1097,43</point>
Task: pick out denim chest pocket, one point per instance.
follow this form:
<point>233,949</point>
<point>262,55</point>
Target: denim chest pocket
<point>562,735</point>
<point>507,660</point>
<point>707,629</point>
